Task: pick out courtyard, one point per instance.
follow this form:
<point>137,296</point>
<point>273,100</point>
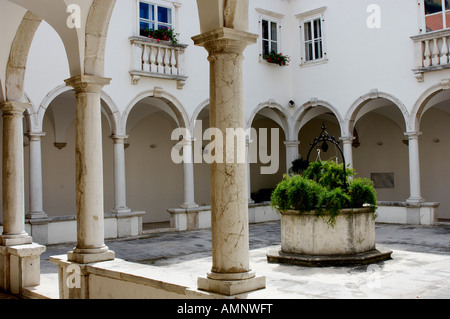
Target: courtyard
<point>419,268</point>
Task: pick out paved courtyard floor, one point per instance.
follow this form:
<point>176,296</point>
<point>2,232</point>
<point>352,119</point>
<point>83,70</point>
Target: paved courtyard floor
<point>419,268</point>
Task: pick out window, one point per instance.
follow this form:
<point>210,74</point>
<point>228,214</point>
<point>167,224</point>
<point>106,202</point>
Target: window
<point>269,36</point>
<point>312,36</point>
<point>437,14</point>
<point>153,17</point>
<point>313,41</point>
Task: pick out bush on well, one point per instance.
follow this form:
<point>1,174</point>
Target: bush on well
<point>324,188</point>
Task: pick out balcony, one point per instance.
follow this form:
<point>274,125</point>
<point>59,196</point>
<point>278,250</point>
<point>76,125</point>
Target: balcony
<point>161,60</point>
<point>432,52</point>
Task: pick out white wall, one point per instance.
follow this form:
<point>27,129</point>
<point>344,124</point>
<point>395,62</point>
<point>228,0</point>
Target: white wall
<point>359,60</point>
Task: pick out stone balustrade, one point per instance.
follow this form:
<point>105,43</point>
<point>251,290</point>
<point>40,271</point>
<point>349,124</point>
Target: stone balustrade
<point>432,52</point>
<point>157,60</point>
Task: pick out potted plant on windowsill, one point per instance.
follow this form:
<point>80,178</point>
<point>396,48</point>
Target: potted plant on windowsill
<point>167,35</point>
<point>326,218</point>
<point>277,58</point>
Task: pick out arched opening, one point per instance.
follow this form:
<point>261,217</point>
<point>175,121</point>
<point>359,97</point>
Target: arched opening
<point>154,181</point>
<point>58,156</point>
<point>380,147</point>
<point>267,152</point>
<point>308,125</point>
<point>201,168</point>
<point>434,146</point>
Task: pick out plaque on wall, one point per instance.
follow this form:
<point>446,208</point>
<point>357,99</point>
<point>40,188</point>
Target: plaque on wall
<point>383,180</point>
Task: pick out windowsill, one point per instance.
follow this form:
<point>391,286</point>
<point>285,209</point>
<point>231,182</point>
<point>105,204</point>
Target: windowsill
<point>161,42</point>
<point>312,63</point>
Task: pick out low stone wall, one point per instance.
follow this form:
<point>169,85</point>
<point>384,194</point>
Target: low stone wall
<point>63,229</point>
<point>119,279</point>
<point>407,213</point>
<point>200,217</point>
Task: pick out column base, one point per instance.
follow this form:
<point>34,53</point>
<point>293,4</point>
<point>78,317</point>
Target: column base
<point>231,284</point>
<point>415,200</point>
<point>36,215</point>
<point>20,267</point>
<point>13,240</point>
<point>189,205</point>
<point>84,257</point>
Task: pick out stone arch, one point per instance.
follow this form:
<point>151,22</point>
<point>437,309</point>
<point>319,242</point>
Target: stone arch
<point>96,32</point>
<point>357,106</point>
<point>196,113</point>
<point>182,119</point>
<point>275,112</point>
<point>109,108</point>
<point>18,56</point>
<point>312,109</point>
<point>421,104</point>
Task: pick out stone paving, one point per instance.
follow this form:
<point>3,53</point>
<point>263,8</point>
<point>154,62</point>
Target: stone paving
<point>419,268</point>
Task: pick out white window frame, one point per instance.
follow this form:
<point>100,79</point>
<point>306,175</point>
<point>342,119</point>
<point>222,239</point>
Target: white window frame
<point>157,3</point>
<point>309,17</point>
<point>270,17</point>
<point>423,15</point>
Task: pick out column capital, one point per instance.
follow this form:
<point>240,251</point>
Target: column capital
<point>292,143</point>
<point>413,135</point>
<point>35,136</point>
<point>14,107</point>
<point>347,139</point>
<point>119,139</point>
<point>87,83</point>
<point>225,40</point>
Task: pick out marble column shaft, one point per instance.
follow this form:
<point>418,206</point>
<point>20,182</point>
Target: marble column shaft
<point>414,167</point>
<point>13,175</point>
<point>229,187</point>
<point>36,198</point>
<point>120,195</point>
<point>188,166</point>
<point>89,171</point>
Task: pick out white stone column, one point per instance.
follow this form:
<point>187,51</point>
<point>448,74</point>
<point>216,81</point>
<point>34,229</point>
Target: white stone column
<point>13,175</point>
<point>414,168</point>
<point>120,195</point>
<point>35,162</point>
<point>188,170</point>
<point>291,153</point>
<point>230,273</point>
<point>89,171</point>
<point>348,150</point>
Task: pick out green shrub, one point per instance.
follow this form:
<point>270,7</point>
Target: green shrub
<point>303,194</point>
<point>362,192</point>
<point>324,187</point>
<point>328,173</point>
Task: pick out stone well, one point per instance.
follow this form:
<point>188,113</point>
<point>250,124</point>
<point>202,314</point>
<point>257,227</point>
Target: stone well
<point>307,239</point>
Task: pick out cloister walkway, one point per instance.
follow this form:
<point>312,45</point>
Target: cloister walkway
<point>419,268</point>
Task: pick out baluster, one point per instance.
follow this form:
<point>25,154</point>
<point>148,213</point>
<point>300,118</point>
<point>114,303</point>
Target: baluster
<point>137,56</point>
<point>153,66</point>
<point>145,59</point>
<point>427,54</point>
<point>159,61</point>
<point>444,51</point>
<point>435,58</point>
<point>167,60</point>
<point>173,62</point>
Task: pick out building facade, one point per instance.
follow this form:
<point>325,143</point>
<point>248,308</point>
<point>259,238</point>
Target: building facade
<point>380,85</point>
